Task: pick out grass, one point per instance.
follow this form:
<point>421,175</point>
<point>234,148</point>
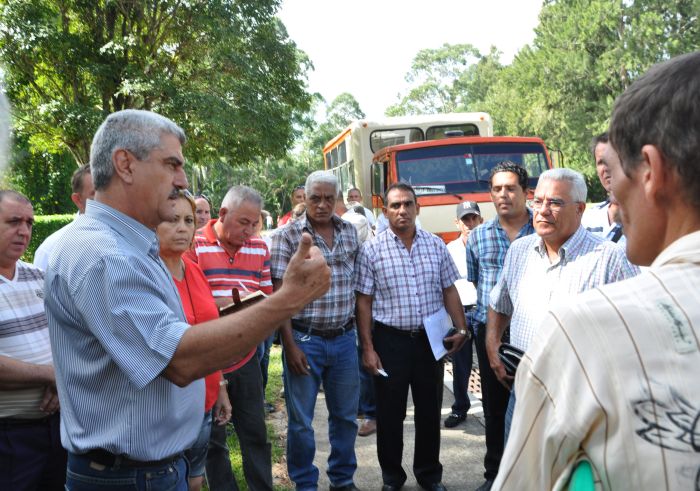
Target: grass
<point>272,393</point>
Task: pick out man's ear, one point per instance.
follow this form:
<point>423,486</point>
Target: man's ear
<point>417,209</point>
<point>657,176</point>
<point>580,207</point>
<point>222,213</point>
<point>123,162</point>
<point>75,198</point>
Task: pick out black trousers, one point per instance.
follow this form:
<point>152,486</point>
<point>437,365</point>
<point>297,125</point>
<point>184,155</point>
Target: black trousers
<point>494,399</point>
<point>409,362</point>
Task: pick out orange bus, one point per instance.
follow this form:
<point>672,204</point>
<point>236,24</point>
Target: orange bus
<point>451,170</point>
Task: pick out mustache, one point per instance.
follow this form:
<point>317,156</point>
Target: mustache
<point>174,193</point>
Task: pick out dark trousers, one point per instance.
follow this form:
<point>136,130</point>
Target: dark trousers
<point>31,455</point>
<point>409,362</point>
<point>494,399</point>
<point>248,418</point>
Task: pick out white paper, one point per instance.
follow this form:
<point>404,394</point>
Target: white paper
<point>436,327</point>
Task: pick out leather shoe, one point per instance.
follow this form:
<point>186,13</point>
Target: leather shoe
<point>486,486</point>
<point>436,486</point>
<point>454,419</point>
<point>347,487</point>
<point>391,487</point>
<point>368,427</point>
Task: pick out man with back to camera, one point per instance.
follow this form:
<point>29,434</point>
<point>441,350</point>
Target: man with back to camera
<point>486,249</point>
<point>610,377</point>
<point>31,456</point>
<point>320,342</point>
<point>403,276</point>
<point>468,218</point>
<point>128,366</point>
<point>81,185</point>
<point>230,256</point>
<point>561,260</point>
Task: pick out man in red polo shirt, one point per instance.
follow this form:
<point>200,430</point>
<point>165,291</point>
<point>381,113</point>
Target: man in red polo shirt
<point>231,257</point>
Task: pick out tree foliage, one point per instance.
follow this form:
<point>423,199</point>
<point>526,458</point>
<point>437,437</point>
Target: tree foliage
<point>451,78</point>
<point>223,69</point>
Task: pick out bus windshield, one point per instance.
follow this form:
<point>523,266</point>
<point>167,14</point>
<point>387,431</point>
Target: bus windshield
<point>451,169</point>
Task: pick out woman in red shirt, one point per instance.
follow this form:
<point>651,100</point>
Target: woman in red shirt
<point>175,238</point>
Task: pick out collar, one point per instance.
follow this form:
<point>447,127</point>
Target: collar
<point>568,249</point>
<point>497,221</point>
<point>133,231</point>
<point>683,250</point>
<point>209,233</point>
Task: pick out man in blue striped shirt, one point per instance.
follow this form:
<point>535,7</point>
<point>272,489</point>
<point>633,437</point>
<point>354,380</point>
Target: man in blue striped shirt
<point>486,249</point>
<point>562,260</point>
<point>128,366</point>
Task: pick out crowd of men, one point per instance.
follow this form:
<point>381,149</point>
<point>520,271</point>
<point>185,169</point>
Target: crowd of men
<point>101,375</point>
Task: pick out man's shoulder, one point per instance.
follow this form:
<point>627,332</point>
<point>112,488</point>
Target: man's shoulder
<point>524,243</point>
<point>28,272</point>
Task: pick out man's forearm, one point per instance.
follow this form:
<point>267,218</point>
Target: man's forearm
<point>363,317</point>
<point>496,324</point>
<point>16,374</point>
<point>454,307</point>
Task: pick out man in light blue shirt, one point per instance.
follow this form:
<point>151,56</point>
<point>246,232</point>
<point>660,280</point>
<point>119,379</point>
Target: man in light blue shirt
<point>128,366</point>
<point>561,260</point>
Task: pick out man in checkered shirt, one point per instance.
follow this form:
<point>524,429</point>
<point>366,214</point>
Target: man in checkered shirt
<point>560,260</point>
<point>403,276</point>
<point>320,342</point>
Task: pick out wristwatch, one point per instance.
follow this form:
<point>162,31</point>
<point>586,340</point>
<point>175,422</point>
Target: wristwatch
<point>462,332</point>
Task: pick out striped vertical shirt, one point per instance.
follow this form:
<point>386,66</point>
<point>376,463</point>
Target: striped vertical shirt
<point>115,321</point>
<point>407,285</point>
<point>337,306</point>
<point>486,250</point>
<point>248,270</point>
<point>612,376</point>
<point>530,284</point>
<point>24,336</point>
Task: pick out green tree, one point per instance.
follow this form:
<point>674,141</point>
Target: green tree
<point>223,69</point>
<point>451,78</point>
<point>585,53</point>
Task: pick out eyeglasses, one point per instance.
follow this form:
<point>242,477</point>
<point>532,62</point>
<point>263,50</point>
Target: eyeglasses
<point>554,204</point>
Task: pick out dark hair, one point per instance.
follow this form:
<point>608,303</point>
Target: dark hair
<point>14,195</point>
<point>602,138</point>
<point>401,186</point>
<point>510,166</point>
<point>662,108</point>
<point>76,182</point>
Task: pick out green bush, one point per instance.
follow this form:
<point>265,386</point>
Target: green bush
<point>43,227</point>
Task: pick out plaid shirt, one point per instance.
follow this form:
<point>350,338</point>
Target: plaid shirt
<point>486,249</point>
<point>407,285</point>
<point>337,306</point>
<point>531,285</point>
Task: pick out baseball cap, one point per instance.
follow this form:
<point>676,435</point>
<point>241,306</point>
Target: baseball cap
<point>467,208</point>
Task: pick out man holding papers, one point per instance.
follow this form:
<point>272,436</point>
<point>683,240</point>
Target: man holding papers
<point>402,277</point>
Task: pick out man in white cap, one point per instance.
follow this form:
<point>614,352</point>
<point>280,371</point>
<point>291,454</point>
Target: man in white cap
<point>468,218</point>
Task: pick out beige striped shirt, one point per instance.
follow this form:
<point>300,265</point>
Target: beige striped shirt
<point>613,375</point>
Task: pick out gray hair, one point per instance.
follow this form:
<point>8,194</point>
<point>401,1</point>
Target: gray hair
<point>322,177</point>
<point>237,195</point>
<point>662,108</point>
<point>578,184</point>
<point>134,130</point>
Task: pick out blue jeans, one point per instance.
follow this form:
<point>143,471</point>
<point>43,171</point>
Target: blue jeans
<point>196,455</point>
<point>509,416</point>
<point>333,362</point>
<point>461,370</point>
<point>84,476</point>
<point>367,405</point>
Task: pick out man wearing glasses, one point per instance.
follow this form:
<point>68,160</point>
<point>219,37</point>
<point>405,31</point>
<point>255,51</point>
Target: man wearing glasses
<point>561,260</point>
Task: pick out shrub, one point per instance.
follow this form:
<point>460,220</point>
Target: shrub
<point>43,227</point>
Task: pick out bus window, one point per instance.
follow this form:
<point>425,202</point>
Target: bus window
<point>438,132</point>
<point>342,155</point>
<point>334,157</point>
<point>385,138</point>
<point>451,169</point>
<point>329,164</point>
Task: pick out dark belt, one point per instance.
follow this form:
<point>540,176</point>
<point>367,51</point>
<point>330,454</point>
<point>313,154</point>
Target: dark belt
<point>410,333</point>
<point>469,308</point>
<point>108,459</point>
<point>323,333</point>
<point>24,422</point>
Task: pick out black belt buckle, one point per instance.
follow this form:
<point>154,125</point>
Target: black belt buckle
<point>108,459</point>
<point>415,333</point>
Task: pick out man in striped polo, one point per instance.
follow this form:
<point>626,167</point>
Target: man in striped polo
<point>560,260</point>
<point>30,446</point>
<point>231,257</point>
<point>611,375</point>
